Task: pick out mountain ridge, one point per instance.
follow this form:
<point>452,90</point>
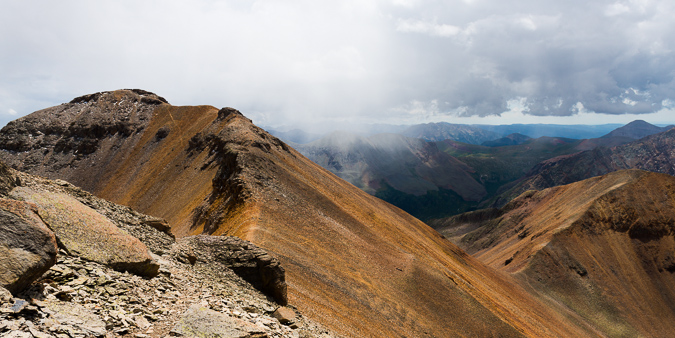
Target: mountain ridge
<point>212,171</point>
<point>592,245</point>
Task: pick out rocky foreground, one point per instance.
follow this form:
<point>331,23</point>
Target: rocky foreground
<point>200,286</point>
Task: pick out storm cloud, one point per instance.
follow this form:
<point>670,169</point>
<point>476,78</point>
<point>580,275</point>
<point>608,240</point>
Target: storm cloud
<point>285,61</point>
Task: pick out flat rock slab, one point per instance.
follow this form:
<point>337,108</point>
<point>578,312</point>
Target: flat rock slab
<point>75,315</point>
<point>27,247</point>
<point>200,322</point>
<point>86,233</point>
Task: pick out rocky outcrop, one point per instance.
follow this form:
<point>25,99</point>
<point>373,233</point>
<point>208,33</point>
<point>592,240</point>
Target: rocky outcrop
<point>59,139</point>
<point>81,298</point>
<point>248,261</point>
<point>197,292</point>
<point>83,232</point>
<point>27,247</point>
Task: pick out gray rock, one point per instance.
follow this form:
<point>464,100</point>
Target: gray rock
<point>199,321</point>
<point>27,247</point>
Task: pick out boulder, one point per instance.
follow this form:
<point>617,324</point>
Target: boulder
<point>27,247</point>
<point>250,262</point>
<point>284,315</point>
<point>83,232</point>
<point>199,321</point>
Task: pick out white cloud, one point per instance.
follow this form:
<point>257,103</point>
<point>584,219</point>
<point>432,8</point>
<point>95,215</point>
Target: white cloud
<point>616,9</point>
<point>12,112</point>
<point>297,60</point>
<point>431,28</point>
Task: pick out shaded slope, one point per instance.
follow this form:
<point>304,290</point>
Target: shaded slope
<point>497,167</point>
<point>603,247</point>
<point>508,140</point>
<point>409,173</point>
<point>355,263</point>
<point>447,131</point>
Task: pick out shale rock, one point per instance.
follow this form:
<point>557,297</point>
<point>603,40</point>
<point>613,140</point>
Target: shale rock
<point>86,233</point>
<point>81,298</point>
<point>7,180</point>
<point>250,262</point>
<point>27,247</point>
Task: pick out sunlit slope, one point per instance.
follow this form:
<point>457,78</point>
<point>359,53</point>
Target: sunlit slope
<point>604,247</point>
<point>356,264</point>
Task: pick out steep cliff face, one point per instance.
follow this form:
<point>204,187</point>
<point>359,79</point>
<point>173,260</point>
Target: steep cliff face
<point>603,247</point>
<point>354,263</point>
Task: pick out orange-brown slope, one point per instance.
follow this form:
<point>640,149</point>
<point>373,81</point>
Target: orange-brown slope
<point>355,263</point>
<point>604,247</point>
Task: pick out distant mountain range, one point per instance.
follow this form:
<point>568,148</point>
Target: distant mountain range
<point>576,131</point>
<point>438,179</point>
<point>652,153</point>
<point>471,134</point>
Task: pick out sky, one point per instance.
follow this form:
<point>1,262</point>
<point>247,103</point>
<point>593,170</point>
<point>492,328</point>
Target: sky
<point>295,62</point>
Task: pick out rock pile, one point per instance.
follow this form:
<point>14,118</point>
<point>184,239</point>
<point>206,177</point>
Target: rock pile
<point>198,288</point>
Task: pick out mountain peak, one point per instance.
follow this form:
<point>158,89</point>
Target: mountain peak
<point>636,130</point>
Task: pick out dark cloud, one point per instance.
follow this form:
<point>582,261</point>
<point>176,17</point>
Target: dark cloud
<point>296,60</point>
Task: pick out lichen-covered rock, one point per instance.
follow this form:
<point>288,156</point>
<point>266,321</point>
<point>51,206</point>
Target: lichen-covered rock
<point>77,316</point>
<point>199,321</point>
<point>250,262</point>
<point>27,247</point>
<point>86,233</point>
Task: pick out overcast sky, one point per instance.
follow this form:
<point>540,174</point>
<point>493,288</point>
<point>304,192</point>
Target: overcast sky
<point>396,61</point>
